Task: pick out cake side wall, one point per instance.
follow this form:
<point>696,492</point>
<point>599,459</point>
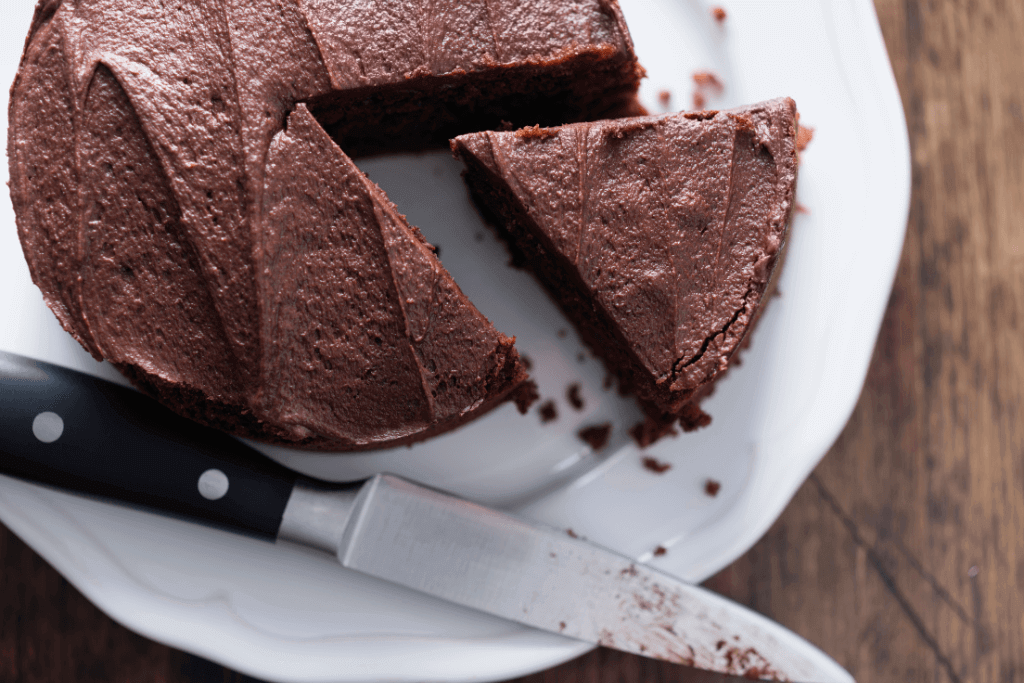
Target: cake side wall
<point>584,85</point>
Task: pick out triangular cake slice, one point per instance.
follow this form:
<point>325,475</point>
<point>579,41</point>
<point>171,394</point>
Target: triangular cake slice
<point>657,235</point>
<point>366,338</point>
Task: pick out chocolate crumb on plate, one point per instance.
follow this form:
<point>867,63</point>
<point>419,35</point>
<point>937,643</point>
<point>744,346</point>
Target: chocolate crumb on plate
<point>804,135</point>
<point>655,465</point>
<point>692,418</point>
<point>526,361</point>
<point>548,411</point>
<point>665,98</point>
<point>706,83</point>
<point>707,80</point>
<point>525,396</point>
<point>653,428</point>
<point>719,14</point>
<point>563,333</point>
<point>712,487</point>
<point>573,394</point>
<point>660,550</point>
<point>572,534</point>
<point>596,435</point>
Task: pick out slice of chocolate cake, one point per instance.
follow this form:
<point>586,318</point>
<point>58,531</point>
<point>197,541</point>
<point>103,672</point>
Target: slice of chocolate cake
<point>250,276</point>
<point>657,235</point>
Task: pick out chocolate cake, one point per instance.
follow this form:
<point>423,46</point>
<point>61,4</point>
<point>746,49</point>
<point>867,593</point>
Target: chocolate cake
<point>657,235</point>
<point>188,217</point>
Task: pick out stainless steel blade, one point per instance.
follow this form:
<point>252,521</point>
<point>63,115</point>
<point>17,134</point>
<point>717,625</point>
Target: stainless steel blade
<point>480,558</point>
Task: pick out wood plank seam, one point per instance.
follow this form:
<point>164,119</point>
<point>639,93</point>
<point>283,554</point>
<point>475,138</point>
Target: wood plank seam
<point>887,579</point>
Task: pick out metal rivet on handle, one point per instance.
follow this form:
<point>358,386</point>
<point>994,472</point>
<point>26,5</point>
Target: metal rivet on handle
<point>47,427</point>
<point>213,484</point>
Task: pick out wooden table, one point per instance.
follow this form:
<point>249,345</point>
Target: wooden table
<point>903,554</point>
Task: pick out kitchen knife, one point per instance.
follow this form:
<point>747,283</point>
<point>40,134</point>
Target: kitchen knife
<point>69,430</point>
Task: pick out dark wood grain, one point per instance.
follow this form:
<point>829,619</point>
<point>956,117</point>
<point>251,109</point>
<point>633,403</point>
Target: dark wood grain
<point>903,554</point>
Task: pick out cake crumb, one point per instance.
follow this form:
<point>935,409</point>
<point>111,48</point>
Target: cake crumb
<point>706,83</point>
<point>693,418</point>
<point>800,208</point>
<point>665,98</point>
<point>660,550</point>
<point>655,465</point>
<point>712,487</point>
<point>596,435</point>
<point>573,394</point>
<point>536,133</point>
<point>548,412</point>
<point>525,395</point>
<point>653,428</point>
<point>563,333</point>
<point>572,534</point>
<point>719,14</point>
<point>706,80</point>
<point>561,626</point>
<point>526,361</point>
<point>804,135</point>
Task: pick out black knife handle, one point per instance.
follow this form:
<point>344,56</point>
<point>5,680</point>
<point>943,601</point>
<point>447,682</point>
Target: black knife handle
<point>73,431</point>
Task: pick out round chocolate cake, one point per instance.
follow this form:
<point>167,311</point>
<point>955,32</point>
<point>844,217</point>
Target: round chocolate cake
<point>187,211</point>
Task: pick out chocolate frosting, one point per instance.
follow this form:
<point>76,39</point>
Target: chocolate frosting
<point>189,220</point>
<point>671,226</point>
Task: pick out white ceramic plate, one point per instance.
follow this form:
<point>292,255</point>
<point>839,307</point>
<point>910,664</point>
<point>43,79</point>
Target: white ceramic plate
<point>284,614</point>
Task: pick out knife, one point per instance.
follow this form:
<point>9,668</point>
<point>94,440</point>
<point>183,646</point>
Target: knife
<point>72,431</point>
